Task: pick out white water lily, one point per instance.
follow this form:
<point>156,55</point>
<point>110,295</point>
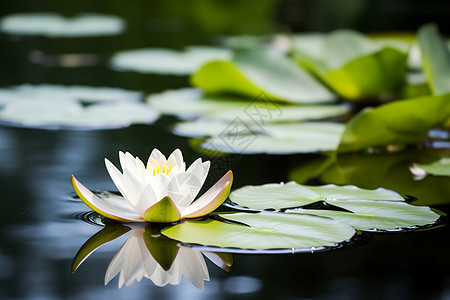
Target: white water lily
<point>134,261</point>
<point>163,191</point>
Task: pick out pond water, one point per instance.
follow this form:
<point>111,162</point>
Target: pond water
<point>43,224</point>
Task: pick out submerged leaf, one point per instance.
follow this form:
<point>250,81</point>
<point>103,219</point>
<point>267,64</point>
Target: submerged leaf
<point>265,231</point>
<point>254,71</point>
<point>438,168</point>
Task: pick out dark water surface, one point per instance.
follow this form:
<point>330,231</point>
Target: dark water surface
<point>41,230</point>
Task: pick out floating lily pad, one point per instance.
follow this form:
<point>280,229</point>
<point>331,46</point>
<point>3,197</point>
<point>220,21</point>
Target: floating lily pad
<point>191,102</point>
<point>435,58</point>
<point>351,64</point>
<point>399,122</point>
<point>438,168</point>
<point>239,137</point>
<point>251,72</point>
<point>265,231</point>
<point>167,61</point>
<point>380,215</point>
<point>54,25</point>
<point>60,107</point>
<point>292,194</point>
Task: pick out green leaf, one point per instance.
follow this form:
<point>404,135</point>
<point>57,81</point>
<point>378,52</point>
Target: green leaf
<point>265,231</point>
<point>163,211</point>
<point>291,194</point>
<point>168,61</point>
<point>438,168</point>
<point>353,65</point>
<point>238,137</point>
<point>192,103</point>
<point>254,71</point>
<point>163,250</point>
<point>380,215</point>
<point>399,122</point>
<point>435,58</point>
<point>107,234</point>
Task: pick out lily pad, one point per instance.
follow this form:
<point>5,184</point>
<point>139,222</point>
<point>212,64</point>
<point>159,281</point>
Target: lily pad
<point>264,231</point>
<point>435,58</point>
<point>399,122</point>
<point>192,103</point>
<point>351,64</point>
<point>438,168</point>
<point>239,137</point>
<point>54,25</point>
<point>168,61</point>
<point>251,72</point>
<point>61,107</point>
<point>292,194</point>
<point>380,215</point>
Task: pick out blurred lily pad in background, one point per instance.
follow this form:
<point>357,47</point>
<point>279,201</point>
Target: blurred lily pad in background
<point>168,61</point>
<point>254,71</point>
<point>73,107</point>
<point>53,25</point>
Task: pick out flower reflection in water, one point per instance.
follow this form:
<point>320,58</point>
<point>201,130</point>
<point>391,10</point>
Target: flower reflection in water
<point>147,253</point>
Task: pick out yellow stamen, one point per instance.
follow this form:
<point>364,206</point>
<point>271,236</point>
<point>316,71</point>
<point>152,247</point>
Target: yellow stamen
<point>157,170</point>
<point>169,169</point>
<point>154,171</point>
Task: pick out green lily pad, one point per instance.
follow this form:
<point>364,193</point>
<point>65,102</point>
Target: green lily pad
<point>438,168</point>
<point>54,25</point>
<point>251,72</point>
<point>193,103</point>
<point>265,231</point>
<point>61,107</point>
<point>168,61</point>
<point>399,122</point>
<point>239,137</point>
<point>292,194</point>
<point>379,215</point>
<point>351,64</point>
<point>435,58</point>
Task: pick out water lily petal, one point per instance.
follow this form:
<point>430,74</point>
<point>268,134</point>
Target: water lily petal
<point>193,266</point>
<point>159,184</point>
<point>223,260</point>
<point>156,154</point>
<point>115,175</point>
<point>102,207</point>
<point>133,186</point>
<point>147,199</point>
<point>164,211</point>
<point>210,200</point>
<point>184,187</point>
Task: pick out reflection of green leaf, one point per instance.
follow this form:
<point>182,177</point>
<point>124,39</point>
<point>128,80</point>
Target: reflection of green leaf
<point>353,65</point>
<point>167,61</point>
<point>254,71</point>
<point>190,102</point>
<point>400,122</point>
<point>265,231</point>
<point>163,250</point>
<point>291,194</point>
<point>382,215</point>
<point>439,168</point>
<point>238,137</point>
<point>392,172</point>
<point>435,58</point>
<point>107,234</point>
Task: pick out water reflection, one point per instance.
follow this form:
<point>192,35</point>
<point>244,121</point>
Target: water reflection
<point>147,253</point>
